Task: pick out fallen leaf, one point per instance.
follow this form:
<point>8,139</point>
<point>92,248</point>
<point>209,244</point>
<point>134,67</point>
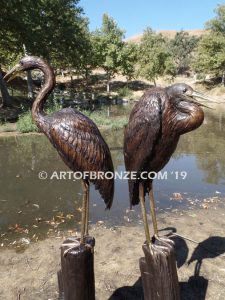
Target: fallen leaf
<point>177,196</point>
<point>39,220</point>
<point>100,223</point>
<point>193,215</point>
<point>204,205</point>
<point>25,241</point>
<point>126,219</point>
<point>36,205</point>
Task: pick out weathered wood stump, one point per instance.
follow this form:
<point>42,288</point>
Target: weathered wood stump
<point>76,277</point>
<point>158,271</point>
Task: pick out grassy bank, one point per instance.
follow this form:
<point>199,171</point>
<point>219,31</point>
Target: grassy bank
<point>101,119</point>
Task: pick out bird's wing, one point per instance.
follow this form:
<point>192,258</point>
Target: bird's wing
<point>141,135</point>
<point>82,148</point>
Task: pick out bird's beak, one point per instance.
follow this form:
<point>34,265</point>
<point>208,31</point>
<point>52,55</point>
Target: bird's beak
<point>13,72</point>
<point>202,96</point>
<point>192,98</point>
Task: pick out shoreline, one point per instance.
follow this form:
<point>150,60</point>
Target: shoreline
<point>117,253</point>
<point>16,133</point>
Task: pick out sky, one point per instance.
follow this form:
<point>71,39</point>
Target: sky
<point>135,15</point>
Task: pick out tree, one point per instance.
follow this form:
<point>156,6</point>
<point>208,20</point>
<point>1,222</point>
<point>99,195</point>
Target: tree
<point>181,48</point>
<point>210,53</point>
<point>154,57</point>
<point>6,100</point>
<point>108,44</point>
<point>53,29</point>
<point>129,55</point>
<point>88,59</point>
<point>8,47</point>
<point>217,24</point>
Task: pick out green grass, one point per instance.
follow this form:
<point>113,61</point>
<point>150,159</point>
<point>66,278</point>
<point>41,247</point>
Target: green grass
<point>25,123</point>
<point>125,92</point>
<point>101,119</point>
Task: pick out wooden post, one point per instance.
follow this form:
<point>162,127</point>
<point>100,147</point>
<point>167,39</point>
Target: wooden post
<point>76,277</point>
<point>158,271</point>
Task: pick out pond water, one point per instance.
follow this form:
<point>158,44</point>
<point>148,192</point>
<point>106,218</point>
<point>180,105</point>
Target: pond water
<point>27,201</point>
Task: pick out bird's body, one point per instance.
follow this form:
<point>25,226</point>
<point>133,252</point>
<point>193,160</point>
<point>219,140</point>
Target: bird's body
<point>151,136</point>
<point>81,147</point>
<point>75,137</point>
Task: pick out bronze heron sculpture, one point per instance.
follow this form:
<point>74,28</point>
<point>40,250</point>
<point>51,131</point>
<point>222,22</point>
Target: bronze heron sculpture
<point>151,136</point>
<point>75,137</point>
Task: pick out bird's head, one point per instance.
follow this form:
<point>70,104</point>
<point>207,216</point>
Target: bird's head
<point>25,64</point>
<point>183,92</point>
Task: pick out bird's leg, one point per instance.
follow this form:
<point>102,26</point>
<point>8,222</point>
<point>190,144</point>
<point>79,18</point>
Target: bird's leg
<point>87,209</point>
<point>84,211</point>
<point>152,208</point>
<point>142,201</point>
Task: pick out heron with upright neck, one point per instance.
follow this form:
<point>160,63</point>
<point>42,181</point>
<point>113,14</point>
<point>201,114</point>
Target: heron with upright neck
<point>75,137</point>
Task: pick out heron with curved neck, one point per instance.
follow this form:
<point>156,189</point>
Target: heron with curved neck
<point>75,137</point>
<point>155,125</point>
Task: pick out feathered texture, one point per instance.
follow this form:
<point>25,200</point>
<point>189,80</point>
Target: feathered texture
<point>141,134</point>
<point>152,134</point>
<point>82,147</point>
<point>75,137</point>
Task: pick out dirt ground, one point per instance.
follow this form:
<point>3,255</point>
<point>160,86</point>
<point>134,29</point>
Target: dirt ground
<point>31,275</point>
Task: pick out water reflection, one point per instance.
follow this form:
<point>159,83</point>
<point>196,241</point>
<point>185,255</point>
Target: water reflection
<point>24,198</point>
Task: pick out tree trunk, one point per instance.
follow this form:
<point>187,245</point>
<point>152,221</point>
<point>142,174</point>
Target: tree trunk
<point>223,78</point>
<point>154,82</point>
<point>108,83</point>
<point>108,111</point>
<point>29,79</point>
<point>6,100</point>
<point>72,92</point>
<point>30,85</point>
<point>87,77</point>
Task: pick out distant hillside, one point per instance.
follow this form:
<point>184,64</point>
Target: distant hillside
<point>167,33</point>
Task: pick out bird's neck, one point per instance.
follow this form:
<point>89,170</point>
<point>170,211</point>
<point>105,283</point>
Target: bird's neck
<point>48,86</point>
<point>188,117</point>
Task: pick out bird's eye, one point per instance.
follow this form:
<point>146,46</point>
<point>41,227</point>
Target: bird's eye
<point>184,90</point>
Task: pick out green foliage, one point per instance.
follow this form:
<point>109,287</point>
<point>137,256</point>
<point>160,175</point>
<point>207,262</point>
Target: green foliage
<point>217,24</point>
<point>129,56</point>
<point>210,53</point>
<point>125,92</point>
<point>54,29</point>
<point>101,119</point>
<point>181,48</point>
<point>154,57</point>
<point>107,45</point>
<point>25,123</point>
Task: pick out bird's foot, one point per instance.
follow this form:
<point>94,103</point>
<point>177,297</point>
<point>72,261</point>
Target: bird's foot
<point>155,238</point>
